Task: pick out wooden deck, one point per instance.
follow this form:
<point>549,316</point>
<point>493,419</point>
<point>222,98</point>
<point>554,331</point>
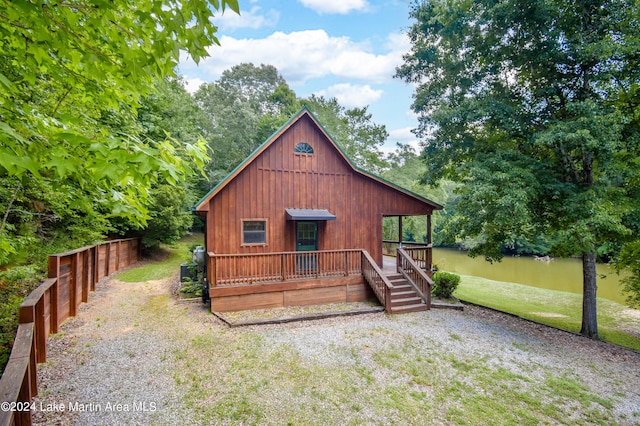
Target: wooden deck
<point>272,280</point>
<point>389,265</point>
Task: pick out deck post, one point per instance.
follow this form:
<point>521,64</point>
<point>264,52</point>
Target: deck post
<point>346,264</point>
<point>387,299</point>
<point>213,280</point>
<point>282,267</point>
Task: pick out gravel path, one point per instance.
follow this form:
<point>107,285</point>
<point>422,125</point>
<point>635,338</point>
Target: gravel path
<point>135,355</point>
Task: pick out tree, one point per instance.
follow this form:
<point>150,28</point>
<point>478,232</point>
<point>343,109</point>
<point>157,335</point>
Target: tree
<point>358,136</point>
<point>170,216</point>
<point>531,105</point>
<point>69,70</point>
<point>234,106</point>
<point>170,111</point>
<point>405,169</point>
<point>248,103</point>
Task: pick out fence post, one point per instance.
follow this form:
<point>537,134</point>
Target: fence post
<point>54,272</point>
<point>40,331</point>
<point>118,254</point>
<point>73,282</point>
<point>107,259</point>
<point>91,273</point>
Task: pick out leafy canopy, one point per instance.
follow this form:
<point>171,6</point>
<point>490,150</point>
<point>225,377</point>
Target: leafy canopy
<point>71,70</point>
<point>533,107</point>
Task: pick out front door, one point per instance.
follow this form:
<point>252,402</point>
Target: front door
<point>306,236</point>
<point>306,240</point>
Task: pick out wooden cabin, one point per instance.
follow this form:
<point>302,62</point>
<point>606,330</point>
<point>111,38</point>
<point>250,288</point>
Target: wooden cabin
<point>298,223</point>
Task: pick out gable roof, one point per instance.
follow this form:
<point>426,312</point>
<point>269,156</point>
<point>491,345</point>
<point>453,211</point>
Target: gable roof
<point>203,204</point>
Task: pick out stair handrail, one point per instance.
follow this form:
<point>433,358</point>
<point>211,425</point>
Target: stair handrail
<point>415,275</point>
<point>379,282</point>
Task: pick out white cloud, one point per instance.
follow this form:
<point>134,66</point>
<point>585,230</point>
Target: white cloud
<point>405,137</point>
<point>350,96</point>
<point>299,56</point>
<point>192,84</point>
<point>253,18</point>
<point>412,115</point>
<point>335,6</point>
<point>399,43</point>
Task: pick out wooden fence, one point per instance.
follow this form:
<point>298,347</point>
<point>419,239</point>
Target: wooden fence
<point>422,255</point>
<point>72,276</point>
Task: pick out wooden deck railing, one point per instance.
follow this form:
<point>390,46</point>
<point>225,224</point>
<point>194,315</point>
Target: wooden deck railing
<point>423,256</point>
<point>414,272</point>
<point>247,269</point>
<point>72,276</point>
<point>389,247</point>
<point>233,269</point>
<point>377,280</point>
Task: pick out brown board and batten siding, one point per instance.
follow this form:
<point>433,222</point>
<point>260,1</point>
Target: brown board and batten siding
<point>276,178</point>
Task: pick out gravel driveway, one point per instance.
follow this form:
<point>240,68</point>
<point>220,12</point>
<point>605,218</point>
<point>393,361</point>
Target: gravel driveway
<point>136,355</point>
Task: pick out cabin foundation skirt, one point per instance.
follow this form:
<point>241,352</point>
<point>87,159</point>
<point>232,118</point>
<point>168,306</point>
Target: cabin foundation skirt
<point>290,293</point>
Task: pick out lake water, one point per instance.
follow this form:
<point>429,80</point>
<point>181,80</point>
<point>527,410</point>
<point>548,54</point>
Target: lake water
<point>558,274</point>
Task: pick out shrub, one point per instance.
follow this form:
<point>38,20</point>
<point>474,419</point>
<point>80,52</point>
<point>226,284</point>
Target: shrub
<point>445,284</point>
<point>15,284</point>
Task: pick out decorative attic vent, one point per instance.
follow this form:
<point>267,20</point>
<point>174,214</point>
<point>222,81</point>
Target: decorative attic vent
<point>303,148</point>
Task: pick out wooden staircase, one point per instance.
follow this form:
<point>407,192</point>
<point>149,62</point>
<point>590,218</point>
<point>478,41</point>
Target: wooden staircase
<point>403,296</point>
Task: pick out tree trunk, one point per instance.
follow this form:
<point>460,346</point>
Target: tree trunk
<point>589,316</point>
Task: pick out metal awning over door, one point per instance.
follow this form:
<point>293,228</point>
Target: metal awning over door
<point>309,214</point>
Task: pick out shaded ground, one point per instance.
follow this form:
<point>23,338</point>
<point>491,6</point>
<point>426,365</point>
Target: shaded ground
<point>136,355</point>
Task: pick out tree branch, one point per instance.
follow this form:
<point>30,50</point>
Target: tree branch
<point>6,213</point>
<point>64,28</point>
<point>62,98</point>
<point>78,6</point>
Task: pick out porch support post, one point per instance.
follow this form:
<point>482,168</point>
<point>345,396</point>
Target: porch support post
<point>429,259</point>
<point>399,242</point>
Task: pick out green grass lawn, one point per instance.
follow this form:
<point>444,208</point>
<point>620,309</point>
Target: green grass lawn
<point>166,262</point>
<point>555,308</point>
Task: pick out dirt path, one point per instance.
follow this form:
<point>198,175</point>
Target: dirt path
<point>113,363</point>
<point>135,355</point>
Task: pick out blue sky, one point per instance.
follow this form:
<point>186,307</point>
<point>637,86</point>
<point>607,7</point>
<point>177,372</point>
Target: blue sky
<point>347,49</point>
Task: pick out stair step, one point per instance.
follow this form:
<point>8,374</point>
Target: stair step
<point>405,301</point>
<point>409,308</point>
<point>403,293</point>
<point>402,287</point>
